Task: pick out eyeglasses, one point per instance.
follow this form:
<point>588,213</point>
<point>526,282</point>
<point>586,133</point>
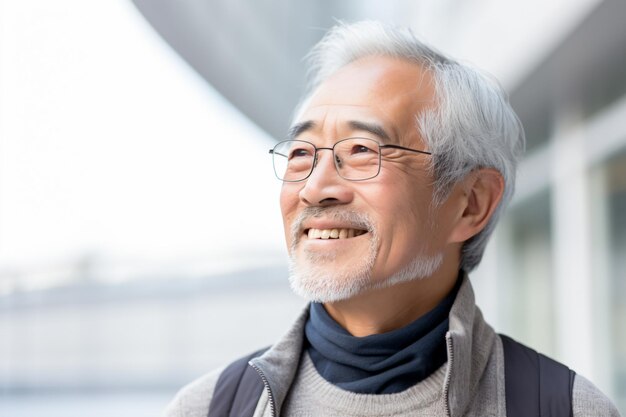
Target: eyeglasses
<point>356,159</point>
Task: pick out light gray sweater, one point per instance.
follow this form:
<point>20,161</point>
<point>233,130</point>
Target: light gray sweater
<point>470,384</point>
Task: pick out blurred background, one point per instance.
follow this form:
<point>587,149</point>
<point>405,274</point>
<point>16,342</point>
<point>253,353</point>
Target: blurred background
<point>134,248</point>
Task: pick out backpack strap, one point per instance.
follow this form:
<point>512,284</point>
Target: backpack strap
<point>535,385</point>
<point>238,389</point>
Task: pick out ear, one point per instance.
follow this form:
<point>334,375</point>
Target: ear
<point>482,192</point>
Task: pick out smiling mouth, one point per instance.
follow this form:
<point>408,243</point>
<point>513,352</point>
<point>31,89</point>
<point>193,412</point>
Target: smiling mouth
<point>326,234</point>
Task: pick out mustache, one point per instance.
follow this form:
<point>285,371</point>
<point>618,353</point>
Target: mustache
<point>351,218</point>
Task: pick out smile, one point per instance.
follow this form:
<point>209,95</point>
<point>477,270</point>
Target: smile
<point>333,233</point>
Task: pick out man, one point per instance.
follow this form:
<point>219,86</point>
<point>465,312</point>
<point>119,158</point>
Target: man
<point>395,172</point>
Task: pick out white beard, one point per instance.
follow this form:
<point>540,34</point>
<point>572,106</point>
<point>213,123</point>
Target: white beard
<point>311,277</point>
<point>314,282</point>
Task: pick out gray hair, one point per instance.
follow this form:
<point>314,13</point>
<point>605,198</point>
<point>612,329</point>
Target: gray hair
<point>472,126</point>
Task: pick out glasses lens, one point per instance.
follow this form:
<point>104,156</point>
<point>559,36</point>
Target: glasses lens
<point>293,160</point>
<point>357,158</point>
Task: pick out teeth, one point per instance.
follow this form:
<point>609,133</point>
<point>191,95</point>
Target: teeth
<point>333,233</point>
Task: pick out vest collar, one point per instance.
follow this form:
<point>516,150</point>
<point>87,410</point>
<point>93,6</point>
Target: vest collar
<point>469,343</point>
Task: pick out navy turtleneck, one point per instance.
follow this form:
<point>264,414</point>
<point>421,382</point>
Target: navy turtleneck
<point>381,363</point>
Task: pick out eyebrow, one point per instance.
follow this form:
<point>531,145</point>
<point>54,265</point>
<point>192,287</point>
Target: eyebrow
<point>299,128</point>
<point>373,128</point>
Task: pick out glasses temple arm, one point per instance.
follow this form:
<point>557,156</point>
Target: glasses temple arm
<point>405,149</point>
<point>272,151</point>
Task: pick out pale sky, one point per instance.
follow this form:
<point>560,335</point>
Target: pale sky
<point>111,145</point>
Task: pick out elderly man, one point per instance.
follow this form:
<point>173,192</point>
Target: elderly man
<point>395,172</point>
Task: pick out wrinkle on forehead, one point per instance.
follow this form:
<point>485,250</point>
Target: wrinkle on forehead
<point>382,90</point>
<point>332,121</point>
<point>374,128</point>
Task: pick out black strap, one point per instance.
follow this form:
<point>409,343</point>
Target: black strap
<point>535,385</point>
<point>238,389</point>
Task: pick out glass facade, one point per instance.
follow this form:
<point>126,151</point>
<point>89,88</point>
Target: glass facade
<point>527,290</point>
<point>617,243</point>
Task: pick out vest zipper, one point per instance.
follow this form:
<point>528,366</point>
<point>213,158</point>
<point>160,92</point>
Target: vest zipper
<point>447,386</point>
<point>267,387</point>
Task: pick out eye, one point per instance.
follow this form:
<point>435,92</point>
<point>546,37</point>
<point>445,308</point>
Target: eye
<point>360,148</point>
<point>299,152</point>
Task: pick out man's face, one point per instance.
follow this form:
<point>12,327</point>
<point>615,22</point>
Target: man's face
<point>388,230</point>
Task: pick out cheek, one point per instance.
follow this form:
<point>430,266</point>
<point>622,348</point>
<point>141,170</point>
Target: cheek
<point>402,198</point>
<point>416,201</point>
<point>289,197</point>
<point>403,208</point>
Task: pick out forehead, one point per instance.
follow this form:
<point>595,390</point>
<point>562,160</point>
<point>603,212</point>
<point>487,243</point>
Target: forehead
<point>383,91</point>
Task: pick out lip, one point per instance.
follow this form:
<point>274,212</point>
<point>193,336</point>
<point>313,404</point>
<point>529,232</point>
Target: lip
<point>305,239</point>
<point>333,220</point>
<point>327,224</point>
<point>305,236</point>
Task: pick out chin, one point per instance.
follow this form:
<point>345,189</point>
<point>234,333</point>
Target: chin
<point>323,284</point>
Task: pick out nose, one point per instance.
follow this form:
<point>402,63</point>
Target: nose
<point>325,187</point>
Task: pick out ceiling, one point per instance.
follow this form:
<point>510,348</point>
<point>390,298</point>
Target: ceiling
<point>585,72</point>
<point>251,51</point>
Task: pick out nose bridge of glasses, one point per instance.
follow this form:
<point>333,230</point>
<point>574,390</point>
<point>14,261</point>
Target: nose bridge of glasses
<point>332,150</point>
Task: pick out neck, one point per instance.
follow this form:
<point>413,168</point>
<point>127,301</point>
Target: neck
<point>386,309</point>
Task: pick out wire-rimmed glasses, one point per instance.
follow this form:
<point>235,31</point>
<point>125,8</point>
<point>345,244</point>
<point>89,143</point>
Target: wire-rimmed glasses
<point>356,159</point>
